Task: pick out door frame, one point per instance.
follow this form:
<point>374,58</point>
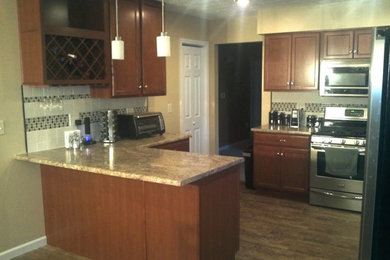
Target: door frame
<point>204,46</point>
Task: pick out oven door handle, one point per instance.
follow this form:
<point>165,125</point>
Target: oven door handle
<point>334,194</point>
<point>362,151</point>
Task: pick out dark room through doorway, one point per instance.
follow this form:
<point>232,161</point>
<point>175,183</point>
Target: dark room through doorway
<point>239,93</point>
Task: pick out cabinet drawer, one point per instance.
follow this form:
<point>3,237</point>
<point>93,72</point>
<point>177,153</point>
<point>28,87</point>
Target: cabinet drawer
<point>285,140</point>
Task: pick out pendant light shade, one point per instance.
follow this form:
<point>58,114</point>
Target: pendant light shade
<point>163,45</point>
<point>163,41</point>
<point>117,45</point>
<point>117,49</point>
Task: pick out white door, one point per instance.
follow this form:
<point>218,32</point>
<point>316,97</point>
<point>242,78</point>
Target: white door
<point>193,97</point>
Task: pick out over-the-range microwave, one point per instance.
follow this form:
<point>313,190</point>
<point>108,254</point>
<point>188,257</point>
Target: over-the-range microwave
<point>344,78</point>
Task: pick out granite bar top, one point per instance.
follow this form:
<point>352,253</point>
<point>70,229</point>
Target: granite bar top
<point>136,159</point>
<point>280,129</point>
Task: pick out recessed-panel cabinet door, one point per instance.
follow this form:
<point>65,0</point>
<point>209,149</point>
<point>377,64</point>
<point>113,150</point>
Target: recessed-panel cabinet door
<point>305,56</point>
<point>363,43</point>
<point>277,62</point>
<point>127,73</point>
<point>153,66</point>
<point>266,166</point>
<point>337,45</point>
<point>294,169</point>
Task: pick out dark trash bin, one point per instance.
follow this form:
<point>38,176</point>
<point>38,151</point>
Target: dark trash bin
<point>248,156</point>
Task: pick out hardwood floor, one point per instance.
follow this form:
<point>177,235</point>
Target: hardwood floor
<point>276,226</point>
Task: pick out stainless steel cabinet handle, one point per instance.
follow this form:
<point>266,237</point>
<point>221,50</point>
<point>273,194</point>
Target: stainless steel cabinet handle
<point>146,86</point>
<point>140,86</point>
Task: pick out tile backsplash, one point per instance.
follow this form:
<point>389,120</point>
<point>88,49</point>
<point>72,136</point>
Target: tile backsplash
<point>51,111</point>
<point>311,102</point>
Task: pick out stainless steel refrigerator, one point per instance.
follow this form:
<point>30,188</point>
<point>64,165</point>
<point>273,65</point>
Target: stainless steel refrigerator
<point>375,228</point>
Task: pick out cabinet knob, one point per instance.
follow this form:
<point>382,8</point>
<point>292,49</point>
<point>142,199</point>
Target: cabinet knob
<point>140,86</point>
<point>282,140</point>
<point>146,86</point>
<point>281,154</point>
<point>350,51</point>
<point>278,153</point>
<point>288,83</point>
<point>292,83</point>
<point>354,51</point>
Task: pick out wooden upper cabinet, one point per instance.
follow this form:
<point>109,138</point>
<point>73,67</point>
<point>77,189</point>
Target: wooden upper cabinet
<point>305,60</point>
<point>347,44</point>
<point>68,49</point>
<point>363,43</point>
<point>291,61</point>
<point>153,73</point>
<point>277,62</point>
<point>141,73</point>
<point>127,73</point>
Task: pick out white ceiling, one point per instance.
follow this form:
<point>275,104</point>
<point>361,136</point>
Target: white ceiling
<point>215,9</point>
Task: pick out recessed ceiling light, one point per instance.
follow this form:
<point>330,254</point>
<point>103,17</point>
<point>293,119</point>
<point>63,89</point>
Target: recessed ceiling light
<point>242,3</point>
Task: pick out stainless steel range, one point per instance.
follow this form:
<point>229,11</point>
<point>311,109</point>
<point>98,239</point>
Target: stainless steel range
<point>337,159</point>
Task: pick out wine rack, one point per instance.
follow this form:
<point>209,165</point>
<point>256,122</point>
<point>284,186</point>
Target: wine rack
<point>74,58</point>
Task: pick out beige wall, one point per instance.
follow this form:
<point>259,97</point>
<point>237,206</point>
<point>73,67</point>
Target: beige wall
<point>235,30</point>
<point>21,213</point>
<point>241,29</point>
<point>352,14</point>
<point>178,27</point>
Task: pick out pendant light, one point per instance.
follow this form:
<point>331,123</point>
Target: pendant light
<point>117,45</point>
<point>163,41</point>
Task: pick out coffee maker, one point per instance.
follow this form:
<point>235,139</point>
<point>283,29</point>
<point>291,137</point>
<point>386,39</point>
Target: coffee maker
<point>109,124</point>
<point>297,118</point>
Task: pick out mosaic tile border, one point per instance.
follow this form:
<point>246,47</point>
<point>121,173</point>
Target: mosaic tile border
<point>46,122</point>
<point>283,106</point>
<point>94,116</point>
<point>320,108</point>
<point>61,97</point>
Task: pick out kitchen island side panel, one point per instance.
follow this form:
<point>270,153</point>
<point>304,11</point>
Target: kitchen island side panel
<point>107,217</point>
<point>93,215</point>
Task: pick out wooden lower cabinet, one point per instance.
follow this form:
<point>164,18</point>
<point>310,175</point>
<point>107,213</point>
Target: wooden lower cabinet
<point>106,217</point>
<point>284,165</point>
<point>182,145</point>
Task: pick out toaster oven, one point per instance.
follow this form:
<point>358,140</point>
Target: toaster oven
<point>140,125</point>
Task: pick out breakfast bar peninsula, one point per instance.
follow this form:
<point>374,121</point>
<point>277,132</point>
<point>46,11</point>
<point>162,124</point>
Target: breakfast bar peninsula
<point>136,200</point>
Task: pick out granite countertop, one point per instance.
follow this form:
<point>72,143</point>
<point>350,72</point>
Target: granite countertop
<point>280,129</point>
<point>135,159</point>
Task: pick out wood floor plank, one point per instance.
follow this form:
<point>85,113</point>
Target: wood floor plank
<point>276,226</point>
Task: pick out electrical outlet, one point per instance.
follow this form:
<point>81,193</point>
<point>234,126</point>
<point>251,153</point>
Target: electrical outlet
<point>169,107</point>
<point>2,130</point>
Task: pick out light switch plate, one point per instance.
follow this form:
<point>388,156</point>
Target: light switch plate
<point>2,130</point>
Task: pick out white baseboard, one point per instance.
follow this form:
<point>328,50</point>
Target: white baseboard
<point>24,248</point>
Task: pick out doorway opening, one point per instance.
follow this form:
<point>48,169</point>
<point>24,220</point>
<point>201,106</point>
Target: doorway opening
<point>239,95</point>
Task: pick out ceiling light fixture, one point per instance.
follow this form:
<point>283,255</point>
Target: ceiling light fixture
<point>117,45</point>
<point>242,3</point>
<point>163,41</point>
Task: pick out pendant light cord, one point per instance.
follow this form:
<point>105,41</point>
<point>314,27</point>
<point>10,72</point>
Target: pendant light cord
<point>116,18</point>
<point>162,16</point>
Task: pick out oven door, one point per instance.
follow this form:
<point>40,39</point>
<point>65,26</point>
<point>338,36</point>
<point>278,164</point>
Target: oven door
<point>320,178</point>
